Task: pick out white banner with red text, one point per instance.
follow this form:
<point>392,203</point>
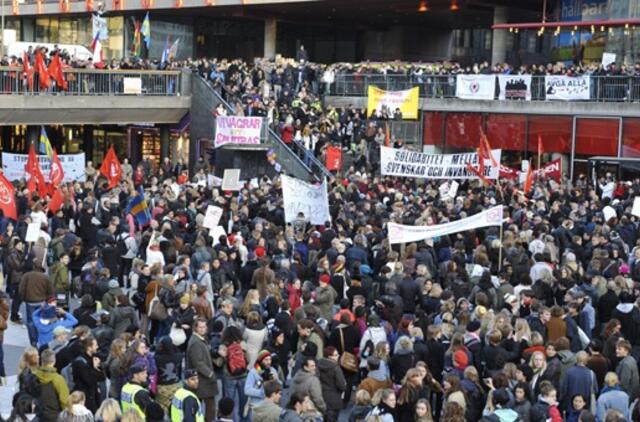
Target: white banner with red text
<point>476,87</point>
<point>238,130</point>
<point>406,163</point>
<point>399,233</point>
<point>551,170</point>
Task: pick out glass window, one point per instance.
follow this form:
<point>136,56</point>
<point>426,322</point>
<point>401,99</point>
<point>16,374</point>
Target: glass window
<point>631,138</point>
<point>507,131</point>
<point>463,131</point>
<point>433,126</point>
<point>115,45</point>
<point>597,137</point>
<point>555,132</point>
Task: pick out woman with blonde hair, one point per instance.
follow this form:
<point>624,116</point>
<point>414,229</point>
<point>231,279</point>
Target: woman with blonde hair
<point>131,415</point>
<point>117,370</point>
<point>522,333</point>
<point>382,351</point>
<point>29,361</point>
<point>75,411</point>
<point>411,390</point>
<point>109,411</point>
<point>251,303</point>
<point>362,406</point>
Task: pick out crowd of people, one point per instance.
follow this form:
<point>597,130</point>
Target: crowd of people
<point>288,321</point>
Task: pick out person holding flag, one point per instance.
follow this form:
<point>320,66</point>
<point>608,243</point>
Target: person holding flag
<point>138,209</point>
<point>44,147</point>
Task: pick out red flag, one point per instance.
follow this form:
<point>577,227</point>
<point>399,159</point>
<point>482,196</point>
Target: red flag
<point>387,135</point>
<point>41,68</point>
<point>540,147</point>
<point>32,167</point>
<point>56,201</point>
<point>7,198</point>
<point>528,181</point>
<point>480,175</point>
<point>508,172</point>
<point>111,169</point>
<point>484,142</point>
<point>334,158</point>
<point>56,175</point>
<point>27,70</point>
<point>55,70</point>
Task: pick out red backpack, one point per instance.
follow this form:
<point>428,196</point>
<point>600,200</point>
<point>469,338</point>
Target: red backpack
<point>236,362</point>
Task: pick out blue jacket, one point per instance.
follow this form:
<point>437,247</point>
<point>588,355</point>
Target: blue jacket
<point>577,380</point>
<point>253,385</point>
<point>45,331</point>
<point>612,399</point>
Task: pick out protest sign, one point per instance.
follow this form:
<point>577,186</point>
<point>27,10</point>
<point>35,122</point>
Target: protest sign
<point>608,58</point>
<point>237,130</point>
<point>551,170</point>
<point>72,165</point>
<point>406,163</point>
<point>231,179</point>
<point>33,232</point>
<point>567,88</point>
<point>514,87</point>
<point>212,217</point>
<point>636,206</point>
<point>311,200</point>
<point>475,87</point>
<point>399,233</point>
<point>406,100</point>
<point>132,85</point>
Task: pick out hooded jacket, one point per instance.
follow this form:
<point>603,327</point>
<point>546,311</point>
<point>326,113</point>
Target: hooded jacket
<point>375,381</point>
<point>309,384</point>
<point>53,392</point>
<point>266,411</point>
<point>629,316</point>
<point>333,383</point>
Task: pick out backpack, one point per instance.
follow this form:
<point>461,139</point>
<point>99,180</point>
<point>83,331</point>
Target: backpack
<point>236,362</point>
<point>67,373</point>
<point>29,384</point>
<point>121,244</point>
<point>369,347</point>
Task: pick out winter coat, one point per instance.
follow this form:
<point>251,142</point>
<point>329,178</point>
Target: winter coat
<point>578,380</point>
<point>266,411</point>
<point>627,371</point>
<point>325,298</point>
<point>86,379</point>
<point>401,362</point>
<point>255,338</point>
<point>45,327</point>
<point>199,358</point>
<point>309,384</point>
<point>612,398</point>
<point>629,316</point>
<point>333,383</point>
<point>53,392</point>
<point>121,318</point>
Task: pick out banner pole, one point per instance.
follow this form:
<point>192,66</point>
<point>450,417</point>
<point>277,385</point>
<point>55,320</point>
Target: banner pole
<point>500,250</point>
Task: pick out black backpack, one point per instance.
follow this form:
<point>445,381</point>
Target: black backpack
<point>29,384</point>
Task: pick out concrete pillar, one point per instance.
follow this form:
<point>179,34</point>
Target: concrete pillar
<point>270,36</point>
<point>164,142</point>
<point>499,44</point>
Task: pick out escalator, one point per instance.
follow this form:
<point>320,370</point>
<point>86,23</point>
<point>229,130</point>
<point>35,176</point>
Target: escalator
<point>205,99</point>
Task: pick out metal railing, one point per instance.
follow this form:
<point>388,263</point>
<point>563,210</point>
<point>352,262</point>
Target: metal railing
<point>13,81</point>
<point>603,88</point>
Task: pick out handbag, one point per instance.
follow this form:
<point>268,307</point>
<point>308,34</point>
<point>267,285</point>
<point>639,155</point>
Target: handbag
<point>157,310</point>
<point>177,335</point>
<point>348,361</point>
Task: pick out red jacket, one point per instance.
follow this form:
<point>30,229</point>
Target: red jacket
<point>294,297</point>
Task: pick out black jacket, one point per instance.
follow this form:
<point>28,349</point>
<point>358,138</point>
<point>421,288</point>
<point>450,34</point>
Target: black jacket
<point>85,378</point>
<point>408,290</point>
<point>333,383</point>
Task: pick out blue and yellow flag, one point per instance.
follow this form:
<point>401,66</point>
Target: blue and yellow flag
<point>146,30</point>
<point>44,147</point>
<point>139,209</point>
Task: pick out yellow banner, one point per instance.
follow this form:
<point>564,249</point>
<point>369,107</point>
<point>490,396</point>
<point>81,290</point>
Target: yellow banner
<point>406,101</point>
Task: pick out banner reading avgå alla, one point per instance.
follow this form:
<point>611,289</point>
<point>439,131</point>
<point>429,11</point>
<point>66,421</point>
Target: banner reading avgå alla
<point>406,101</point>
<point>406,163</point>
<point>72,165</point>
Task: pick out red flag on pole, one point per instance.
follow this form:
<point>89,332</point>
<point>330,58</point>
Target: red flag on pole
<point>387,135</point>
<point>41,68</point>
<point>32,167</point>
<point>540,146</point>
<point>27,70</point>
<point>7,198</point>
<point>334,158</point>
<point>528,181</point>
<point>56,201</point>
<point>55,71</point>
<point>111,169</point>
<point>56,175</point>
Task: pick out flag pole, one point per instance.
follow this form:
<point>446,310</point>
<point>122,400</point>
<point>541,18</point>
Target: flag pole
<point>500,250</point>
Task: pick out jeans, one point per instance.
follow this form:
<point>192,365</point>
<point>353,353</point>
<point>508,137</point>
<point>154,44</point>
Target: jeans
<point>30,308</point>
<point>234,389</point>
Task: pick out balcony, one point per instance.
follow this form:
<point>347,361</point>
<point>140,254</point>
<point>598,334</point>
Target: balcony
<point>608,96</point>
<point>96,96</point>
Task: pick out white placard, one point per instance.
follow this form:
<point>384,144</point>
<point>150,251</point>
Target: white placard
<point>514,87</point>
<point>567,88</point>
<point>311,200</point>
<point>215,233</point>
<point>444,190</point>
<point>72,165</point>
<point>453,189</point>
<point>132,85</point>
<point>406,163</point>
<point>238,130</point>
<point>33,232</point>
<point>475,87</point>
<point>399,233</point>
<point>636,206</point>
<point>608,58</point>
<point>231,179</point>
<point>212,217</point>
<point>609,213</point>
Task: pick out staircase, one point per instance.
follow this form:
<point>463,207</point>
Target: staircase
<point>205,99</point>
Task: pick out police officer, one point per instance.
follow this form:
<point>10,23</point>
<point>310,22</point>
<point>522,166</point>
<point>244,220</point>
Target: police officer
<point>134,393</point>
<point>185,406</point>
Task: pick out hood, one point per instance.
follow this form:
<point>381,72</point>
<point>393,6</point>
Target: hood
<point>264,409</point>
<point>625,308</point>
<point>45,374</point>
<point>302,377</point>
<point>507,415</point>
<point>378,375</point>
<point>326,364</point>
<point>565,356</point>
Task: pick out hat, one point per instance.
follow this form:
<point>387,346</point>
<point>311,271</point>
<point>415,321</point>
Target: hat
<point>460,359</point>
<point>225,406</point>
<point>624,268</point>
<point>185,299</point>
<point>52,299</point>
<point>137,368</point>
<point>190,373</point>
<point>365,269</point>
<point>480,311</point>
<point>260,251</point>
<point>510,298</point>
<point>113,284</point>
<point>373,320</point>
<point>324,278</point>
<point>473,326</point>
<point>48,312</point>
<point>262,356</point>
<point>59,330</point>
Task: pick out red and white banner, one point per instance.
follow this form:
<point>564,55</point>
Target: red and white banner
<point>551,170</point>
<point>238,130</point>
<point>476,87</point>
